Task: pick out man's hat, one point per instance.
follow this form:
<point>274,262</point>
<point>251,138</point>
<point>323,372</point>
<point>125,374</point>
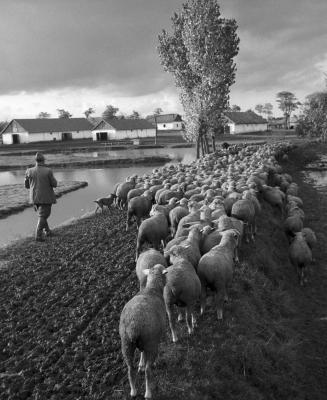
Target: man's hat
<point>39,157</point>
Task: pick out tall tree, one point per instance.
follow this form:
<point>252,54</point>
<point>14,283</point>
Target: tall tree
<point>63,113</point>
<point>313,122</point>
<point>157,111</point>
<point>134,115</point>
<point>267,110</point>
<point>88,112</point>
<point>199,54</point>
<point>259,108</point>
<point>110,112</point>
<point>43,114</point>
<point>287,102</point>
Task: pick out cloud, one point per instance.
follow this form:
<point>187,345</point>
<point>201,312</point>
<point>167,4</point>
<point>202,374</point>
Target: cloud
<point>56,52</point>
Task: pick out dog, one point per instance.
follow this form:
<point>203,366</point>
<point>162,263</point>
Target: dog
<point>104,202</point>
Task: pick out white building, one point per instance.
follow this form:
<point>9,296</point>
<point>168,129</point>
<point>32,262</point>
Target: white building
<point>46,130</point>
<point>167,122</point>
<point>122,129</point>
<point>244,122</point>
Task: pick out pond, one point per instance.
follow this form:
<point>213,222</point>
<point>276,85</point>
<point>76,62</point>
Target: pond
<point>75,204</point>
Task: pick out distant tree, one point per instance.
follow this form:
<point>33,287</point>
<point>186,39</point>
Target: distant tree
<point>3,124</point>
<point>63,113</point>
<point>88,112</point>
<point>135,115</point>
<point>267,110</point>
<point>287,102</point>
<point>157,111</point>
<point>110,112</point>
<point>235,107</point>
<point>249,110</point>
<point>199,54</point>
<point>259,108</point>
<point>121,116</point>
<point>313,122</point>
<point>43,115</point>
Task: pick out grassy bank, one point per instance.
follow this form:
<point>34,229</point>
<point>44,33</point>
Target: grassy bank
<point>15,198</point>
<point>60,303</point>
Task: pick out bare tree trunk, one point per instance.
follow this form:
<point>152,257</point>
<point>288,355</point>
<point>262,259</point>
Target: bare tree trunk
<point>202,146</point>
<point>213,143</point>
<point>198,147</point>
<point>206,144</point>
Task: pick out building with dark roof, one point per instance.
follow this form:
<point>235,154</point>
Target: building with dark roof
<point>122,129</point>
<point>46,130</point>
<point>165,122</point>
<point>244,122</point>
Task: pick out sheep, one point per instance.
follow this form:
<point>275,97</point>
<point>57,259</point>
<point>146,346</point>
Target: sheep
<point>300,256</point>
<point>140,207</point>
<point>183,288</point>
<point>142,325</point>
<point>215,270</point>
<point>192,243</point>
<point>292,225</point>
<point>274,196</point>
<point>147,260</point>
<point>245,211</point>
<point>310,237</point>
<point>122,191</point>
<point>104,201</point>
<point>194,215</point>
<point>154,230</point>
<point>176,214</point>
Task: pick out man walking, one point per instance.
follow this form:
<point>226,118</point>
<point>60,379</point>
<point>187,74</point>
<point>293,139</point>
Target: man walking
<point>40,181</point>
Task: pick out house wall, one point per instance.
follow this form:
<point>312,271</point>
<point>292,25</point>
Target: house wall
<point>127,134</point>
<point>170,126</point>
<point>245,128</point>
<point>25,137</point>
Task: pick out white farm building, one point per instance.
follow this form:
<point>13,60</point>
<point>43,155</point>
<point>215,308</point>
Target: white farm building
<point>46,130</point>
<point>123,129</point>
<point>165,122</point>
<point>244,122</point>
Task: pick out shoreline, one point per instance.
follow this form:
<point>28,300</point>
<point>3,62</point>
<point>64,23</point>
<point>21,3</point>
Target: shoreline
<point>20,196</point>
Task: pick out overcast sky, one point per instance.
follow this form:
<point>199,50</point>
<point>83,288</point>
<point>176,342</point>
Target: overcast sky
<point>75,54</point>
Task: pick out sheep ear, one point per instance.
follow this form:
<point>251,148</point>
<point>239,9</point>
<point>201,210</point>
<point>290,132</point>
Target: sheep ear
<point>164,271</point>
<point>146,271</point>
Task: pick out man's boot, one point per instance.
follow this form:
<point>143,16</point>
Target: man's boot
<point>39,230</point>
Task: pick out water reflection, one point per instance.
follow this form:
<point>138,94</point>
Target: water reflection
<point>101,182</point>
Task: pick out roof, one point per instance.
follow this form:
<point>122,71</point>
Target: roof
<point>95,120</point>
<point>244,117</point>
<point>164,118</point>
<point>126,124</point>
<point>40,125</point>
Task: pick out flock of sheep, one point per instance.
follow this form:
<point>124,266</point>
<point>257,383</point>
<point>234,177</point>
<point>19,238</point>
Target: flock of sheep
<point>195,217</point>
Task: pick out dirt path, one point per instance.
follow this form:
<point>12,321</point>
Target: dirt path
<point>312,300</point>
<point>60,303</point>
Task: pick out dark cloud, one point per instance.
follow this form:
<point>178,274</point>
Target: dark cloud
<point>49,44</point>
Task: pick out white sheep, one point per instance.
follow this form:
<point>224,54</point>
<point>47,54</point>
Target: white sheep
<point>147,260</point>
<point>300,256</point>
<point>183,288</point>
<point>142,325</point>
<point>215,269</point>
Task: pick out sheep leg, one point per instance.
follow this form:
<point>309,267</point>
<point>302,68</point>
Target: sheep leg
<point>189,320</point>
<point>219,297</point>
<point>180,315</point>
<point>128,350</point>
<point>149,357</point>
<point>203,297</point>
<point>169,309</point>
<point>142,362</point>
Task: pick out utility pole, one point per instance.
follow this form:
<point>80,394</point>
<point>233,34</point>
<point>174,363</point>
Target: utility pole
<point>155,121</point>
